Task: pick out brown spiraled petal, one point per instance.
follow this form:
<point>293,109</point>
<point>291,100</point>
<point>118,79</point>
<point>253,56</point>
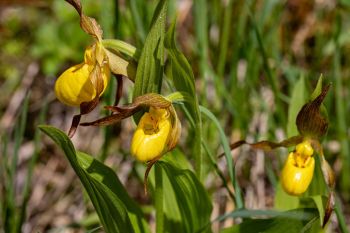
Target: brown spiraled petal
<point>112,119</point>
<point>147,100</point>
<point>85,108</point>
<point>118,109</point>
<point>268,145</point>
<point>120,113</point>
<point>309,121</point>
<point>152,100</point>
<point>89,25</point>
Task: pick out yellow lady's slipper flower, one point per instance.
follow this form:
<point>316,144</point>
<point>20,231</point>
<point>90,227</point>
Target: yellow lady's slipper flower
<point>74,86</point>
<point>152,135</point>
<point>298,170</point>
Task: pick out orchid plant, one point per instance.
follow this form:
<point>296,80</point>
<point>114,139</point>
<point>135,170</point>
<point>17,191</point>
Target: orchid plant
<point>159,128</point>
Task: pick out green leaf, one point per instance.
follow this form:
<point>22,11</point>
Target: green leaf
<point>116,210</point>
<point>284,201</point>
<point>187,206</point>
<point>318,89</point>
<point>150,67</point>
<point>307,220</point>
<point>182,76</point>
<point>181,72</point>
<point>296,103</point>
<point>320,202</point>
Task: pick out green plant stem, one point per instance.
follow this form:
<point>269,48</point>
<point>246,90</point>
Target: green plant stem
<point>159,199</point>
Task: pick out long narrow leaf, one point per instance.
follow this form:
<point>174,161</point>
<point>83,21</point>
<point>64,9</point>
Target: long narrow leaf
<point>116,210</point>
<point>183,79</point>
<point>297,221</point>
<point>150,67</point>
<point>187,207</point>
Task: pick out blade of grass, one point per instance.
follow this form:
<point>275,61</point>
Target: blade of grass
<point>271,77</point>
<point>19,134</point>
<point>201,32</point>
<point>230,167</point>
<point>137,19</point>
<point>27,185</point>
<point>341,121</point>
<point>10,222</point>
<point>4,171</point>
<point>224,38</point>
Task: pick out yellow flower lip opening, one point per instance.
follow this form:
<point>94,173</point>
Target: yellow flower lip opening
<point>298,170</point>
<point>152,135</point>
<point>74,86</point>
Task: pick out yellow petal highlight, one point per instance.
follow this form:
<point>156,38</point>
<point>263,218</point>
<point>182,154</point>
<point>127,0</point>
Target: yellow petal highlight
<point>295,180</point>
<point>152,135</point>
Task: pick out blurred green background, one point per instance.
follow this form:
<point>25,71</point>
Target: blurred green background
<point>248,57</point>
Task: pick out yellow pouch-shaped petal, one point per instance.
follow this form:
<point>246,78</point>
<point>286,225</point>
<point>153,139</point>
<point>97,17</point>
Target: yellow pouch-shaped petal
<point>74,86</point>
<point>151,136</point>
<point>294,179</point>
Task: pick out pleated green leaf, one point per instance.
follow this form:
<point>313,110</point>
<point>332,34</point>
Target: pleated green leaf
<point>187,206</point>
<point>116,210</point>
<point>182,76</point>
<point>150,67</point>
